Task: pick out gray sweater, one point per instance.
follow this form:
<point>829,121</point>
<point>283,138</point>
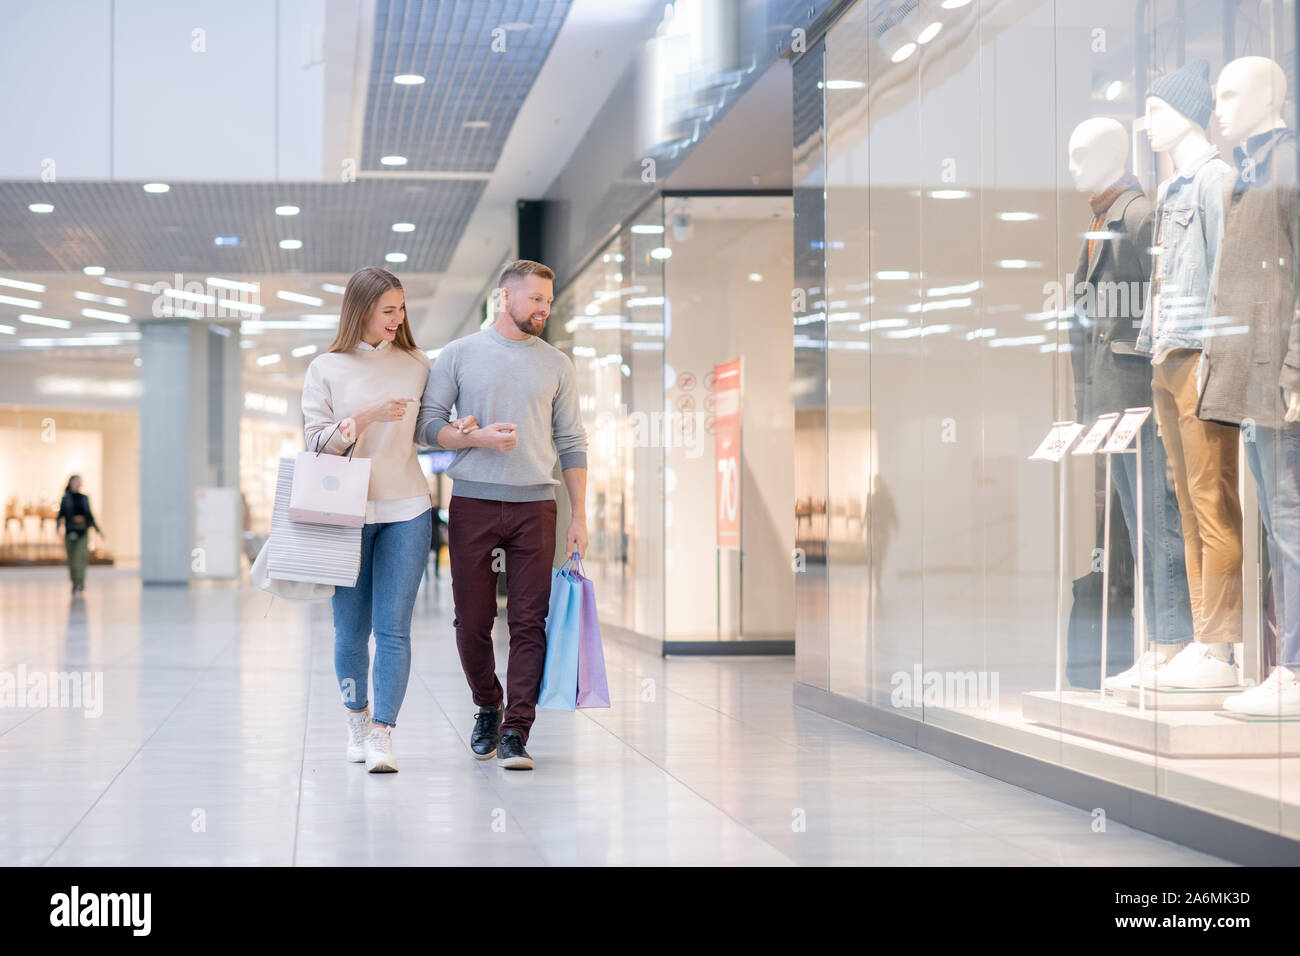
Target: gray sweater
<point>526,382</point>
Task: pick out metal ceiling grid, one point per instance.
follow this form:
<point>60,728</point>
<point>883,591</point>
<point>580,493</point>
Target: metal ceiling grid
<point>343,226</point>
<point>451,44</point>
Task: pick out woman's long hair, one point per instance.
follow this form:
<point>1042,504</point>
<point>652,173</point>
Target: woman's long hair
<point>359,298</point>
<point>67,489</point>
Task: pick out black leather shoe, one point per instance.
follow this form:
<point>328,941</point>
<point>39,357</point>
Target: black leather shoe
<point>511,754</point>
<point>487,730</point>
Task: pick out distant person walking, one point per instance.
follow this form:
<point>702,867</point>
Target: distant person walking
<point>503,496</point>
<point>363,391</point>
<point>76,519</point>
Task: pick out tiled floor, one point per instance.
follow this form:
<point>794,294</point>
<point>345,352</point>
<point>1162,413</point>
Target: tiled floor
<point>221,742</point>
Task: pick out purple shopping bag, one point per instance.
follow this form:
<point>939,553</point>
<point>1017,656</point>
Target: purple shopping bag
<point>593,688</point>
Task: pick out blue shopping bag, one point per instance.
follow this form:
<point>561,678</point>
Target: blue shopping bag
<point>563,636</point>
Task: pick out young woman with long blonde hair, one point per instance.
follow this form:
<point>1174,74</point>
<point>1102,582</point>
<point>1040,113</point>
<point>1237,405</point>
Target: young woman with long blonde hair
<point>365,391</point>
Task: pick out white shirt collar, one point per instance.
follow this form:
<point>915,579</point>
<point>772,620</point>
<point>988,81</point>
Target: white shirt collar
<point>372,348</point>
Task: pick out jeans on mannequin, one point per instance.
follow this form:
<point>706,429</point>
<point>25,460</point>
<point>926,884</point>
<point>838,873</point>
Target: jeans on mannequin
<point>1168,606</point>
<point>1274,460</point>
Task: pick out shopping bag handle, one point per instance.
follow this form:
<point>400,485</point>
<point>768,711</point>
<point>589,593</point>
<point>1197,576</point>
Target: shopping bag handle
<point>320,446</point>
<point>574,563</point>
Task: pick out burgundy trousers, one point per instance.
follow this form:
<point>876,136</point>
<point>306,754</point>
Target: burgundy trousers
<point>482,537</point>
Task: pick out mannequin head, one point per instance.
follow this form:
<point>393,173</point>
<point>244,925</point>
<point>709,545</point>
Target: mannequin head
<point>1167,127</point>
<point>1098,154</point>
<point>1249,97</point>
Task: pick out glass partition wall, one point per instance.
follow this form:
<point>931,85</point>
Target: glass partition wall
<point>677,331</point>
<point>994,231</point>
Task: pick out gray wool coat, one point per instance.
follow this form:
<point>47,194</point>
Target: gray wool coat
<point>1254,352</point>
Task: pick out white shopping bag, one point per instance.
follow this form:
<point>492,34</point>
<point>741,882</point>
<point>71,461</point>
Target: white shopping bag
<point>315,553</point>
<point>330,489</point>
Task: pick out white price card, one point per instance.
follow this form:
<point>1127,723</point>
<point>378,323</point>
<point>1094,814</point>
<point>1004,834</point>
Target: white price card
<point>1126,430</point>
<point>1096,434</point>
<point>1057,442</point>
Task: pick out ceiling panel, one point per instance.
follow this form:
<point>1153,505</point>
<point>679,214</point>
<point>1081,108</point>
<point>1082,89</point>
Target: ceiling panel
<point>451,44</point>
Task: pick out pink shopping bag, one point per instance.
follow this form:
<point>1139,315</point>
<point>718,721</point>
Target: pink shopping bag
<point>593,686</point>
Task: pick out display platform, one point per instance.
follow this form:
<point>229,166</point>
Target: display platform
<point>1168,733</point>
<point>1166,698</point>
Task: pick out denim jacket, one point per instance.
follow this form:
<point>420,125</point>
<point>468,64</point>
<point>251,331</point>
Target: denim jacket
<point>1189,223</point>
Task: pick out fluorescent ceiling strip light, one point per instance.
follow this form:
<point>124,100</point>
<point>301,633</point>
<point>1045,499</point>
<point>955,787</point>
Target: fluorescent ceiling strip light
<point>299,297</point>
<point>108,316</point>
<point>19,284</point>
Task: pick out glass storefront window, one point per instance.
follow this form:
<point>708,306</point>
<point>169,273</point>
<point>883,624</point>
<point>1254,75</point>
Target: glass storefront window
<point>1036,215</point>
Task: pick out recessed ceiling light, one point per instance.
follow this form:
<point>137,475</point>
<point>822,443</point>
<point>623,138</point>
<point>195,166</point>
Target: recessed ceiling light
<point>1018,264</point>
<point>663,252</point>
<point>107,316</point>
<point>15,300</point>
<point>302,350</point>
<point>903,52</point>
<point>395,257</point>
<point>930,32</point>
<point>188,296</point>
<point>155,187</point>
<point>299,297</point>
<point>393,160</point>
<point>755,277</point>
<point>220,283</point>
<point>403,227</point>
<point>287,210</point>
<point>331,287</point>
<point>96,297</point>
<point>949,194</point>
<point>93,270</point>
<point>408,79</point>
<point>290,243</point>
<point>1015,216</point>
<point>43,320</point>
<point>41,207</point>
<point>19,284</point>
<point>227,240</point>
<point>645,229</point>
<point>268,359</point>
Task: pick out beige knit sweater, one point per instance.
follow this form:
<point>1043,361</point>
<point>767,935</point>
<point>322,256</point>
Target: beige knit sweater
<point>341,384</point>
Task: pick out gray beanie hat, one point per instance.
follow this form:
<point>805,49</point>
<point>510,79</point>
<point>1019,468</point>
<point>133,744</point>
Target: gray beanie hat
<point>1187,90</point>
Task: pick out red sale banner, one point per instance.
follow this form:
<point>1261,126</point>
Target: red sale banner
<point>726,434</point>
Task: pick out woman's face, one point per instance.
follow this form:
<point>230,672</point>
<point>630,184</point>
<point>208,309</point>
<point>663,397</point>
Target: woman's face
<point>386,318</point>
<point>75,484</point>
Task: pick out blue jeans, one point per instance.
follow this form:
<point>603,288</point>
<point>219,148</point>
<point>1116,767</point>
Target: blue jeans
<point>393,558</point>
<point>1274,460</point>
<point>1164,563</point>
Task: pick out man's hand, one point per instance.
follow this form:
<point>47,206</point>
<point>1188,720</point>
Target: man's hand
<point>575,539</point>
<point>499,436</point>
<point>1293,407</point>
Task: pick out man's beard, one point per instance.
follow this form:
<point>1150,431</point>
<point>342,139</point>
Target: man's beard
<point>525,324</point>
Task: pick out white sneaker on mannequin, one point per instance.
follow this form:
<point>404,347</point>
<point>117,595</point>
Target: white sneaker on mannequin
<point>1278,695</point>
<point>1146,666</point>
<point>1195,667</point>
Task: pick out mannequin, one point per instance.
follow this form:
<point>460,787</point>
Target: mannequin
<point>1252,379</point>
<point>1110,282</point>
<point>1202,454</point>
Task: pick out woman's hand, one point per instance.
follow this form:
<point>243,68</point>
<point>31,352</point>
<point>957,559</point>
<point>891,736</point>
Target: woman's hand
<point>389,410</point>
<point>465,425</point>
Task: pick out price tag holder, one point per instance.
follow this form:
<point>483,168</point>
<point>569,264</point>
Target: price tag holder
<point>1057,442</point>
<point>1122,437</point>
<point>1096,434</point>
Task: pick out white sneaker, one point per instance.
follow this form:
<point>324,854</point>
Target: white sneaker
<point>379,750</point>
<point>358,728</point>
<point>1277,696</point>
<point>1194,667</point>
<point>1145,667</point>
